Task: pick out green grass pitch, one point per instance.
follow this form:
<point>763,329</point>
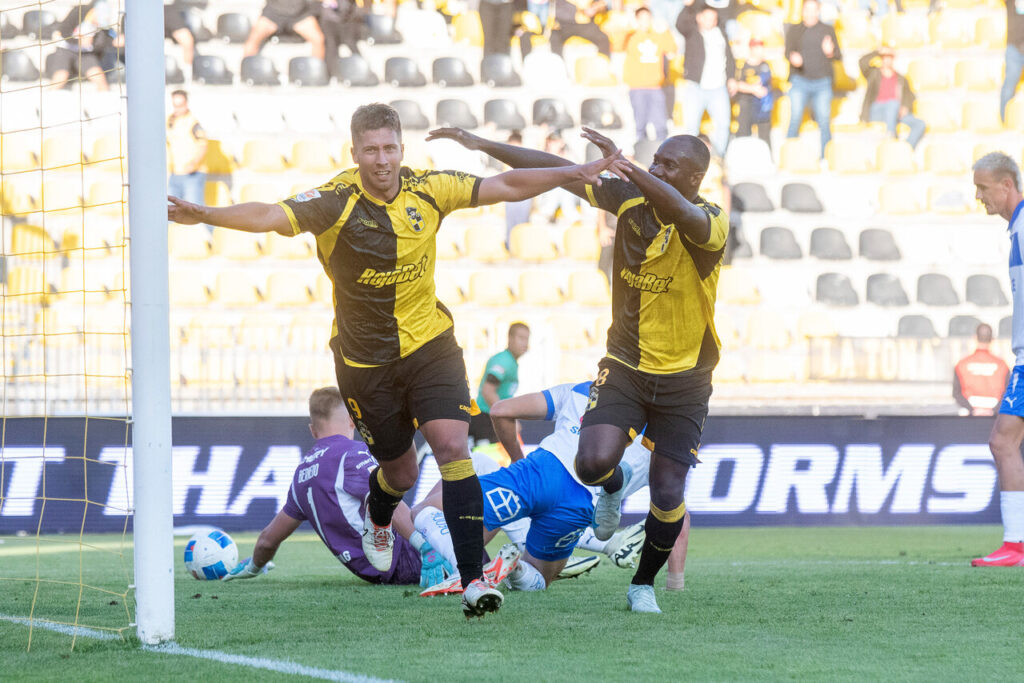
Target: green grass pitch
<point>881,603</point>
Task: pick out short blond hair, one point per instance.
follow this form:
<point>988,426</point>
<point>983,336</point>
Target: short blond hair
<point>322,404</point>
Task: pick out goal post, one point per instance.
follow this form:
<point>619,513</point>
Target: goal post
<point>151,391</point>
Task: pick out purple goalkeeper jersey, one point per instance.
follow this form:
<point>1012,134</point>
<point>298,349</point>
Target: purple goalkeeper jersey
<point>327,490</point>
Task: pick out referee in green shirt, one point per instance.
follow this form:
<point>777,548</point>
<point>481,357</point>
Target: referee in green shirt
<point>501,378</point>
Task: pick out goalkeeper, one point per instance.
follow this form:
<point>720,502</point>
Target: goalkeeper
<point>328,490</point>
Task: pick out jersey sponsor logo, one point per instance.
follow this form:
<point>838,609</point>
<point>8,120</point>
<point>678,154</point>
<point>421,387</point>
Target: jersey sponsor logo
<point>306,196</point>
<point>645,282</point>
<point>415,218</point>
<point>369,223</point>
<point>383,278</point>
<point>504,502</point>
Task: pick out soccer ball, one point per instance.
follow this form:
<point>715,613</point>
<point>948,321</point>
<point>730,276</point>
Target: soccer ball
<point>210,555</point>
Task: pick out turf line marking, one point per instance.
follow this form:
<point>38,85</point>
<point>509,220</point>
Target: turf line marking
<point>812,563</point>
<point>276,665</point>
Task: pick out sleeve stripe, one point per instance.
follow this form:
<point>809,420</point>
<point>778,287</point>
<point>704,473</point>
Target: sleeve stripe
<point>476,192</point>
<point>291,217</point>
<point>550,402</point>
<point>590,194</point>
<point>629,204</point>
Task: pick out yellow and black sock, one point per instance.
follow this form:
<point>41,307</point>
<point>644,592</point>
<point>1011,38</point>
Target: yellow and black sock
<point>464,513</point>
<point>383,498</point>
<point>662,528</point>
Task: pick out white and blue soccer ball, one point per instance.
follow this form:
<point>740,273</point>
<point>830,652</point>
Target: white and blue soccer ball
<point>210,555</point>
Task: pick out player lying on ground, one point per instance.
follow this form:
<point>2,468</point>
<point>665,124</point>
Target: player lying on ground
<point>398,365</point>
<point>327,490</point>
<point>662,345</point>
<point>544,489</point>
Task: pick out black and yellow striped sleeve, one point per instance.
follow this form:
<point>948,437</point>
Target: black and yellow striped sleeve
<point>318,209</point>
<point>450,190</point>
<point>612,194</point>
<point>718,220</point>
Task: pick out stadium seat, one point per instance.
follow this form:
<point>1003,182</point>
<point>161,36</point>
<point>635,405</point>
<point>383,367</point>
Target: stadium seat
<point>943,158</point>
<point>963,326</point>
<point>18,151</point>
<point>749,157</point>
<point>237,245</point>
<point>217,193</point>
<point>353,71</point>
<point>450,72</point>
<point>235,289</point>
<point>16,198</point>
<point>738,287</point>
<point>285,288</point>
<point>30,240</point>
<point>497,71</point>
<point>855,31</point>
<point>489,288</point>
<point>63,152</point>
<point>551,112</point>
<point>281,247</point>
<point>643,151</point>
<point>849,155</point>
<point>916,327</point>
<point>878,244</point>
<point>976,74</point>
<point>896,157</point>
<point>569,331</point>
<point>801,198</point>
<point>779,243</point>
<point>1005,330</point>
<point>830,244</point>
<point>580,243</point>
<point>531,242</point>
<point>799,155</point>
<point>928,75</point>
<point>18,66</point>
<point>751,197</point>
<point>982,117</point>
<point>108,196</point>
<point>173,74</point>
<point>594,71</point>
<point>402,72</point>
<point>467,29</point>
<point>422,28</point>
<point>26,285</point>
<point>7,30</point>
<point>1015,113</point>
<point>599,113</point>
<point>886,289</point>
<point>312,156</point>
<point>537,290</point>
<point>950,198</point>
<point>936,289</point>
<point>764,331</point>
<point>217,160</point>
<point>382,30</point>
<point>262,156</point>
<point>447,289</point>
<point>193,18</point>
<point>816,325</point>
<point>108,153</point>
<point>545,70</point>
<point>455,113</point>
<point>589,288</point>
<point>950,31</point>
<point>985,290</point>
<point>39,24</point>
<point>410,114</point>
<point>259,70</point>
<point>258,192</point>
<point>908,31</point>
<point>448,239</point>
<point>936,112</point>
<point>835,289</point>
<point>900,198</point>
<point>59,194</point>
<point>233,27</point>
<point>211,70</point>
<point>990,31</point>
<point>187,288</point>
<point>308,71</point>
<point>485,243</point>
<point>503,114</point>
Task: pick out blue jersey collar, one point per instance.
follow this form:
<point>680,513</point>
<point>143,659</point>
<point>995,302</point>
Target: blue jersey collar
<point>1016,212</point>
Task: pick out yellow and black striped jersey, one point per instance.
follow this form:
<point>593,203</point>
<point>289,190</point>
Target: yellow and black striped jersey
<point>663,285</point>
<point>380,258</point>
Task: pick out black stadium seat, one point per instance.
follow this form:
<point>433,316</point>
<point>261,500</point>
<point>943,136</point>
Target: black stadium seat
<point>172,72</point>
<point>211,70</point>
<point>259,70</point>
<point>496,71</point>
<point>643,151</point>
<point>503,114</point>
<point>835,289</point>
<point>410,114</point>
<point>18,66</point>
<point>878,244</point>
<point>382,30</point>
<point>193,18</point>
<point>39,24</point>
<point>552,112</point>
<point>916,327</point>
<point>455,113</point>
<point>354,71</point>
<point>451,72</point>
<point>306,71</point>
<point>780,243</point>
<point>233,27</point>
<point>936,289</point>
<point>402,72</point>
<point>800,198</point>
<point>1005,330</point>
<point>598,112</point>
<point>751,197</point>
<point>830,244</point>
<point>7,29</point>
<point>963,325</point>
<point>985,290</point>
<point>885,289</point>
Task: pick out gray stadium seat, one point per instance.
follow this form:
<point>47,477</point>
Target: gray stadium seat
<point>780,243</point>
<point>410,114</point>
<point>1005,327</point>
<point>450,72</point>
<point>597,112</point>
<point>172,72</point>
<point>936,289</point>
<point>211,70</point>
<point>801,198</point>
<point>382,30</point>
<point>18,66</point>
<point>835,289</point>
<point>39,24</point>
<point>402,72</point>
<point>7,29</point>
<point>751,197</point>
<point>963,325</point>
<point>193,18</point>
<point>916,327</point>
<point>455,113</point>
<point>643,151</point>
<point>308,71</point>
<point>503,114</point>
<point>878,244</point>
<point>552,112</point>
<point>885,289</point>
<point>497,71</point>
<point>353,71</point>
<point>233,27</point>
<point>830,244</point>
<point>985,290</point>
<point>259,70</point>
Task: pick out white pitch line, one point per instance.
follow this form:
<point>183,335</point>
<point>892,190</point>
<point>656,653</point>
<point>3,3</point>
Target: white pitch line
<point>276,665</point>
<point>852,563</point>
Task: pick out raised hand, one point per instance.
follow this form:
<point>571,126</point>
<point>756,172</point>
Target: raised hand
<point>463,137</point>
<point>603,143</point>
<point>185,213</point>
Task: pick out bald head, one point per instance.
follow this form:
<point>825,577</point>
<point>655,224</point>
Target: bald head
<point>682,161</point>
<point>984,333</point>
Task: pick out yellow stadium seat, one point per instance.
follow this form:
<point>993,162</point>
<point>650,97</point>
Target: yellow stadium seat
<point>64,152</point>
<point>30,240</point>
<point>110,196</point>
<point>849,155</point>
<point>188,289</point>
<point>259,192</point>
<point>938,114</point>
<point>448,242</point>
<point>762,26</point>
<point>601,324</point>
<point>324,289</point>
<point>189,242</point>
<point>737,286</point>
<point>237,245</point>
<point>485,243</point>
<point>468,29</point>
<point>580,243</point>
<point>217,160</point>
<point>473,333</point>
<point>816,325</point>
<point>907,31</point>
<point>949,30</point>
<point>531,242</point>
<point>16,199</point>
<point>487,288</point>
<point>896,156</point>
<point>727,328</point>
<point>313,156</point>
<point>108,155</point>
<point>218,193</point>
<point>950,199</point>
<point>589,288</point>
<point>900,198</point>
<point>281,247</point>
<point>928,75</point>
<point>765,330</point>
<point>262,156</point>
<point>264,332</point>
<point>18,151</point>
<point>288,288</point>
<point>594,71</point>
<point>537,290</point>
<point>855,32</point>
<point>1015,113</point>
<point>990,31</point>
<point>945,159</point>
<point>570,331</point>
<point>981,116</point>
<point>447,289</point>
<point>777,366</point>
<point>799,155</point>
<point>976,74</point>
<point>61,194</point>
<point>233,289</point>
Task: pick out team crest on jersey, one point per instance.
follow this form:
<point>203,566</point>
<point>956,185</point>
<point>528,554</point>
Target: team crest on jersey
<point>307,196</point>
<point>415,218</point>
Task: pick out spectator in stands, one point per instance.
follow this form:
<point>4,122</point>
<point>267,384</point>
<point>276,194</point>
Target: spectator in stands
<point>84,29</point>
<point>754,95</point>
<point>1014,53</point>
<point>708,70</point>
<point>647,54</point>
<point>286,15</point>
<point>500,381</point>
<point>515,212</point>
<point>811,48</point>
<point>496,19</point>
<point>343,22</point>
<point>880,8</point>
<point>979,379</point>
<point>186,151</point>
<point>888,97</point>
<point>577,19</point>
<point>176,30</point>
<point>539,8</point>
<point>727,11</point>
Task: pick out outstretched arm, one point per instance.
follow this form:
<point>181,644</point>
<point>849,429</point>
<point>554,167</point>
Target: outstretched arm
<point>505,412</point>
<point>247,217</point>
<point>524,183</point>
<point>271,538</point>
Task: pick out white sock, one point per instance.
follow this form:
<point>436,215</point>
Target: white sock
<point>517,530</point>
<point>588,541</point>
<point>1011,503</point>
<point>430,522</point>
<point>525,577</point>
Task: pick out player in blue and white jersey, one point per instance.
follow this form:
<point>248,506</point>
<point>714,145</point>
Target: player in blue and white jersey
<point>997,180</point>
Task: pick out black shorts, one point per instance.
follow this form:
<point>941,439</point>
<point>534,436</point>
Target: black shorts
<point>482,429</point>
<point>174,20</point>
<point>668,409</point>
<point>389,402</point>
<point>286,22</point>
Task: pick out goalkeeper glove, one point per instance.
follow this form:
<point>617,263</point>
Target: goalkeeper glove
<point>247,570</point>
<point>434,568</point>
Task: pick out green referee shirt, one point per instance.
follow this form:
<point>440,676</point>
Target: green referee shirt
<point>503,369</point>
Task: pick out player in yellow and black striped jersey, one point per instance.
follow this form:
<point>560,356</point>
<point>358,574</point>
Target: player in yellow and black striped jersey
<point>399,367</point>
<point>662,344</point>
